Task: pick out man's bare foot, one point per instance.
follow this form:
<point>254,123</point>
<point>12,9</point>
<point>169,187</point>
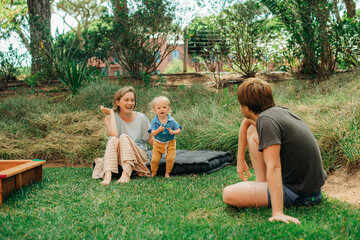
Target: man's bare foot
<point>107,178</point>
<point>167,175</point>
<point>124,178</point>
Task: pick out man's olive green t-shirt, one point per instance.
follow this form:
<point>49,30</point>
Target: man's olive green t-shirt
<point>301,163</point>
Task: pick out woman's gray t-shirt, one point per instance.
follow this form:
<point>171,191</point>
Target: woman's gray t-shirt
<point>301,164</point>
<point>137,130</point>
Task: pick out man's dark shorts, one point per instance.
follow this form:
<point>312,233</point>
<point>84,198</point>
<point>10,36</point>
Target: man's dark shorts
<point>292,199</point>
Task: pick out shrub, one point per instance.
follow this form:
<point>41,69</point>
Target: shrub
<point>176,66</point>
<point>347,42</point>
<point>9,62</point>
<point>73,75</point>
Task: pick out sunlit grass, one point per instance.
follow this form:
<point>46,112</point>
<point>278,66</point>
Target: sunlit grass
<point>68,204</point>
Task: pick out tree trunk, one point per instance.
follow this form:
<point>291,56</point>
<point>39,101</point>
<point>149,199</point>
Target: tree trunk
<point>23,38</point>
<point>336,8</point>
<point>120,8</point>
<point>40,33</point>
<point>185,51</point>
<point>350,8</point>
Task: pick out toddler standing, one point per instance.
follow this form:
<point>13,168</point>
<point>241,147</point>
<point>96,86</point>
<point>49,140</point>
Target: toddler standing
<point>163,128</point>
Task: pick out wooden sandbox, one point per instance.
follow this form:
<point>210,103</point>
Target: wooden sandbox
<point>17,173</point>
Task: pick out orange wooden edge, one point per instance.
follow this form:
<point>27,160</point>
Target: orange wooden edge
<point>24,165</point>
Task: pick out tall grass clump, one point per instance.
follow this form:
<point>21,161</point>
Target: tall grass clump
<point>208,122</point>
<point>102,93</point>
<point>331,110</point>
<point>93,95</point>
<point>22,107</point>
<point>19,117</point>
<point>177,66</point>
<point>350,140</point>
<point>32,127</point>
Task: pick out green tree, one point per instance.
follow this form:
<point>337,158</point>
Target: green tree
<point>208,47</point>
<point>84,12</point>
<point>347,42</point>
<point>14,19</point>
<point>350,8</point>
<point>310,26</point>
<point>71,63</point>
<point>94,46</point>
<point>244,26</point>
<point>91,31</point>
<point>30,20</point>
<point>140,37</point>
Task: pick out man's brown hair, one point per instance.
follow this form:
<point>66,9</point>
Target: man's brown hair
<point>256,95</point>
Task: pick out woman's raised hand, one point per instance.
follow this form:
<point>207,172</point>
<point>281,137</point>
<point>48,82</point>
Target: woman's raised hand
<point>107,111</point>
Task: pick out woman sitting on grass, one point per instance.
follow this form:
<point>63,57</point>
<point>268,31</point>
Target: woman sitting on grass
<point>128,134</point>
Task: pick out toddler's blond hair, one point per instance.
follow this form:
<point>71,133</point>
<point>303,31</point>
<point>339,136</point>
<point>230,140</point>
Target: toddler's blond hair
<point>159,99</point>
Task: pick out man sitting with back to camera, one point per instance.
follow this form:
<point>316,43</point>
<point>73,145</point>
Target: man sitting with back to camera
<point>283,151</point>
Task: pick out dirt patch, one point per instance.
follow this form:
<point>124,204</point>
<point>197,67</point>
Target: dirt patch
<point>52,90</point>
<point>185,79</point>
<point>344,185</point>
<point>176,80</point>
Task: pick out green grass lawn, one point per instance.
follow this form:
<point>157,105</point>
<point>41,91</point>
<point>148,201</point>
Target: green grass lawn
<point>68,204</point>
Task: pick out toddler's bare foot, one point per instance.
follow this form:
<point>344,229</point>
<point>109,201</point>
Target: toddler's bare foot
<point>107,178</point>
<point>153,175</point>
<point>124,178</point>
<point>167,175</point>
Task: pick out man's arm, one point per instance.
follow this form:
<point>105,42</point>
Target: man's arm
<point>274,180</point>
<point>241,166</point>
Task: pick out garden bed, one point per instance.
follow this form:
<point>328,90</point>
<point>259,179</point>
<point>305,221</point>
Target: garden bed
<point>17,173</point>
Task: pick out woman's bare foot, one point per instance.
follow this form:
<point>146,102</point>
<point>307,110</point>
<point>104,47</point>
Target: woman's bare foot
<point>107,178</point>
<point>167,175</point>
<point>124,178</point>
<point>142,174</point>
